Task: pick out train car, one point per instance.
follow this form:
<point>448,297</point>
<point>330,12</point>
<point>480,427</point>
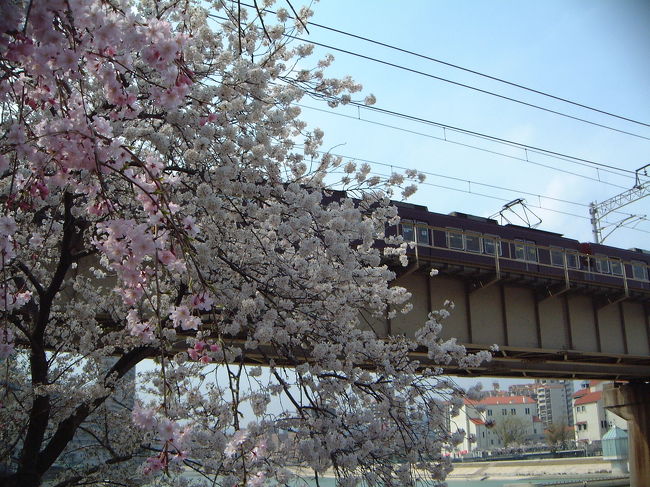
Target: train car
<point>462,243</point>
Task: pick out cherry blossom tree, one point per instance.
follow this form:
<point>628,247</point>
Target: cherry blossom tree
<point>163,206</point>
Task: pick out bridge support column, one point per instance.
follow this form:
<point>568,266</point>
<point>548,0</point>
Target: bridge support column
<point>632,403</point>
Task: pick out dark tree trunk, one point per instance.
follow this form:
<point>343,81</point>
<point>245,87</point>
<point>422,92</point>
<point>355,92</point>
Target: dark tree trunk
<point>23,479</point>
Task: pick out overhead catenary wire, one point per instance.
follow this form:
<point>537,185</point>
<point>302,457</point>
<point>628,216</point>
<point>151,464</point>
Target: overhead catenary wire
<point>477,73</point>
<point>469,182</point>
<point>505,141</point>
<point>461,68</point>
<point>481,135</point>
<point>463,85</point>
<point>498,198</point>
<point>457,129</point>
<point>482,149</point>
<point>462,180</point>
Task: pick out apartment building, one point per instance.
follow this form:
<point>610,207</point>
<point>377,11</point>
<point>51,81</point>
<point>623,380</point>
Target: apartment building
<point>553,399</point>
<point>592,420</point>
<point>480,420</point>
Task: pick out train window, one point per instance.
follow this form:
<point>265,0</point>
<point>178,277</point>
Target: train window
<point>572,260</point>
<point>455,239</point>
<point>408,232</point>
<point>423,235</point>
<point>639,271</point>
<point>490,243</point>
<point>557,256</point>
<point>525,250</point>
<point>472,243</point>
<point>520,251</point>
<point>602,264</point>
<point>617,267</point>
<point>531,253</point>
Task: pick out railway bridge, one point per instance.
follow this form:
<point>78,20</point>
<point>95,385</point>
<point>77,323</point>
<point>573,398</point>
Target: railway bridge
<point>571,315</point>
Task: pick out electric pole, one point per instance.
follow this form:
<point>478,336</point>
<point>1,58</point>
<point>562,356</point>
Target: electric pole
<point>599,210</point>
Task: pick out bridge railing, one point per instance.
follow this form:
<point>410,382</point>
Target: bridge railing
<point>486,250</point>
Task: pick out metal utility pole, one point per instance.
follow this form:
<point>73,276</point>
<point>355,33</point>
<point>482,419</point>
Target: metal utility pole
<point>599,210</point>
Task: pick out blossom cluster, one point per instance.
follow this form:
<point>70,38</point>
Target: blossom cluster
<point>167,220</point>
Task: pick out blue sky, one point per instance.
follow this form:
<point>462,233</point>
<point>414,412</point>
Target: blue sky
<point>594,53</point>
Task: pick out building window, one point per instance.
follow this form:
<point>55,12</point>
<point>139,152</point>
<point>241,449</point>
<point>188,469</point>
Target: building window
<point>527,411</point>
<point>489,412</point>
<point>504,412</point>
<point>603,424</point>
<point>513,411</point>
<point>639,271</point>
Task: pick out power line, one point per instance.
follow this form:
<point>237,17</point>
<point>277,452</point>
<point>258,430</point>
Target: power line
<point>461,68</point>
<point>439,78</point>
<point>482,149</point>
<point>453,178</point>
<point>478,73</point>
<point>481,135</point>
<point>478,134</point>
<point>468,181</point>
<point>497,198</point>
<point>449,127</point>
<point>463,85</point>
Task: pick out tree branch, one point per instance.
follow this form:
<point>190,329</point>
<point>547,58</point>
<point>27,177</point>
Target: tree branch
<point>68,427</point>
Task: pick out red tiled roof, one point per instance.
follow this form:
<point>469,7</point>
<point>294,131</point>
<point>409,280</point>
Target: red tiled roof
<point>505,400</point>
<point>477,421</point>
<point>581,392</point>
<point>500,401</point>
<point>588,398</point>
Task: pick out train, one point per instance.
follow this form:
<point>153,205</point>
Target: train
<point>458,242</point>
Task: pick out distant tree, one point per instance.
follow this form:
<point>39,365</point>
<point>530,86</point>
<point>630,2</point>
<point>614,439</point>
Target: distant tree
<point>511,430</point>
<point>558,435</point>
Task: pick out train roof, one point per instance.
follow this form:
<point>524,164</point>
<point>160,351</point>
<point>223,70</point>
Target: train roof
<point>473,217</point>
<point>537,230</point>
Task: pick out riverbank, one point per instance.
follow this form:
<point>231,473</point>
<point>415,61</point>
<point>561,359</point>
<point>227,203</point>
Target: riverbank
<point>518,469</point>
<point>507,469</point>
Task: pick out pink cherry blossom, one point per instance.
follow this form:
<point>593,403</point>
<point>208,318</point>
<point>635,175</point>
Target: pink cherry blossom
<point>159,189</point>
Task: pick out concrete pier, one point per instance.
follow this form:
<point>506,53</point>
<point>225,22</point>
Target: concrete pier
<point>631,402</point>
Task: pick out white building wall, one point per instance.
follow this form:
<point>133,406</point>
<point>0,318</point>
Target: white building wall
<point>485,435</point>
<point>590,422</point>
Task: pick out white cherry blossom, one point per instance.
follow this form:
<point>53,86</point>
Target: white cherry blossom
<point>168,226</point>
